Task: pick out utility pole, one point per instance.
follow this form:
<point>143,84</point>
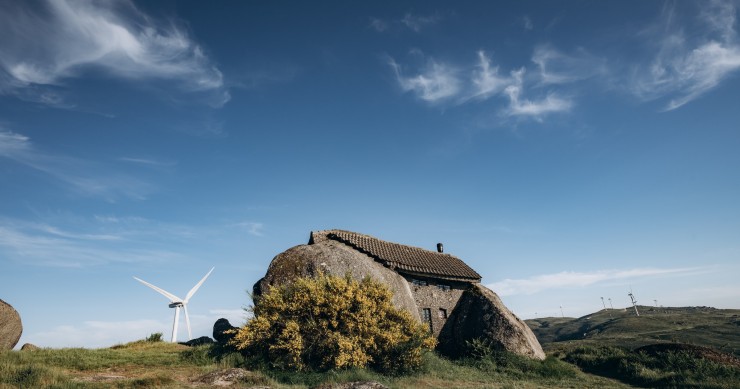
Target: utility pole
<point>634,302</point>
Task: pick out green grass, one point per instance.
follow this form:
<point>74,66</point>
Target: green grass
<point>703,326</point>
<point>164,365</point>
<point>661,369</point>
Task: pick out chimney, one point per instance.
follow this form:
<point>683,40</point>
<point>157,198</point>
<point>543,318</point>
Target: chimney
<point>440,248</point>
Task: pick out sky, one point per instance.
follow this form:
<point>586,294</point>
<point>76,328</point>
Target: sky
<point>567,151</point>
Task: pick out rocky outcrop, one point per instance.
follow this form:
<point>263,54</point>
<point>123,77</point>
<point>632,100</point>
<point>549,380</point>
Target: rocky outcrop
<point>11,327</point>
<point>198,341</point>
<point>353,385</point>
<point>337,259</point>
<point>220,329</point>
<point>233,376</point>
<point>480,314</point>
<point>29,347</point>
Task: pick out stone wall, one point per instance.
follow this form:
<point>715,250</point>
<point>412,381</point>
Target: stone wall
<point>438,296</point>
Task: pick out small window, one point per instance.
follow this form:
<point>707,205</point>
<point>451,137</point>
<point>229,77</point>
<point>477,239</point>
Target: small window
<point>427,317</point>
<point>443,314</point>
<point>445,288</point>
<point>419,282</point>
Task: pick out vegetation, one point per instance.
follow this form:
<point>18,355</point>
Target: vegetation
<point>663,347</point>
<point>664,368</point>
<point>702,326</point>
<point>328,323</point>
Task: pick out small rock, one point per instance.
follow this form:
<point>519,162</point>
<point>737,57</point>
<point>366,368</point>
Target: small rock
<point>198,341</point>
<point>11,327</point>
<point>353,385</point>
<point>29,347</point>
<point>233,376</point>
<point>219,331</point>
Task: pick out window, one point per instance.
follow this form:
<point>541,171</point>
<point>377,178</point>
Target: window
<point>445,288</point>
<point>443,314</point>
<point>419,282</point>
<point>427,317</point>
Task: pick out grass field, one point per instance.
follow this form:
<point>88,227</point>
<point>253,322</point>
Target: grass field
<point>163,365</point>
<point>696,347</point>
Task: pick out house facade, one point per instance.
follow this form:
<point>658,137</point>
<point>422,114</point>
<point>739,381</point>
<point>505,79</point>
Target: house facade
<point>436,280</point>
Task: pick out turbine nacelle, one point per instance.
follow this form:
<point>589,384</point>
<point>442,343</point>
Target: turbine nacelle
<point>177,303</point>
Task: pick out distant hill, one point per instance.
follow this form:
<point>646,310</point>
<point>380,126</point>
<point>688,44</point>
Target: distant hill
<point>702,326</point>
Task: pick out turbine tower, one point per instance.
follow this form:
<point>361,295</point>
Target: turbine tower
<point>634,302</point>
<point>177,303</point>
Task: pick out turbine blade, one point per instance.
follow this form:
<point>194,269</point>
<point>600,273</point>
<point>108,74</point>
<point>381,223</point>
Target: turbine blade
<point>195,288</point>
<point>165,293</point>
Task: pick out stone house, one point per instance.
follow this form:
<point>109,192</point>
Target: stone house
<point>436,288</point>
<point>437,280</point>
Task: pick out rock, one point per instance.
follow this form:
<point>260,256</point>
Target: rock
<point>480,314</point>
<point>198,341</point>
<point>353,385</point>
<point>219,331</point>
<point>233,376</point>
<point>11,327</point>
<point>30,347</point>
<point>334,258</point>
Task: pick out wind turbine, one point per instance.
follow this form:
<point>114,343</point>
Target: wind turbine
<point>177,303</point>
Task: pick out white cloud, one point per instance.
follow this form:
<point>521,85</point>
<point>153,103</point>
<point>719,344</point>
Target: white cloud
<point>527,23</point>
<point>64,39</point>
<point>440,83</point>
<point>567,279</point>
<point>556,67</point>
<point>437,82</point>
<point>253,228</point>
<point>536,109</point>
<point>417,22</point>
<point>378,25</point>
<point>486,80</point>
<point>83,176</point>
<point>46,245</point>
<point>687,66</point>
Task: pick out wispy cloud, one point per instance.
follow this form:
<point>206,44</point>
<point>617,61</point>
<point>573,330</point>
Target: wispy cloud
<point>148,161</point>
<point>253,228</point>
<point>410,21</point>
<point>556,67</point>
<point>567,279</point>
<point>83,176</point>
<point>688,66</point>
<point>527,23</point>
<point>436,82</point>
<point>443,83</point>
<point>46,44</point>
<point>536,109</point>
<point>418,22</point>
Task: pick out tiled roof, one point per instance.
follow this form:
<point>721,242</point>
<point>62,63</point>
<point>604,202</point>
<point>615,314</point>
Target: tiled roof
<point>402,258</point>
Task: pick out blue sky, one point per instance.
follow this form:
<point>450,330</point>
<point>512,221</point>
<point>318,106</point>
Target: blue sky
<point>565,150</point>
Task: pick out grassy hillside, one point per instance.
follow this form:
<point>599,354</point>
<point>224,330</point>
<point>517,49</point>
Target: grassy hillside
<point>163,365</point>
<point>703,326</point>
<point>694,347</point>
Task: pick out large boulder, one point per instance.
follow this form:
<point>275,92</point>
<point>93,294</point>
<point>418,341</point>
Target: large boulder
<point>338,259</point>
<point>480,314</point>
<point>221,330</point>
<point>11,327</point>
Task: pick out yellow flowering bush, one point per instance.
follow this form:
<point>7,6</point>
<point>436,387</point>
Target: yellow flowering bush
<point>330,322</point>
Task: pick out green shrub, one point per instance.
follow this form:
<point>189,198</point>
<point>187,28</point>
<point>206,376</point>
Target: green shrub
<point>328,322</point>
<point>155,337</point>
